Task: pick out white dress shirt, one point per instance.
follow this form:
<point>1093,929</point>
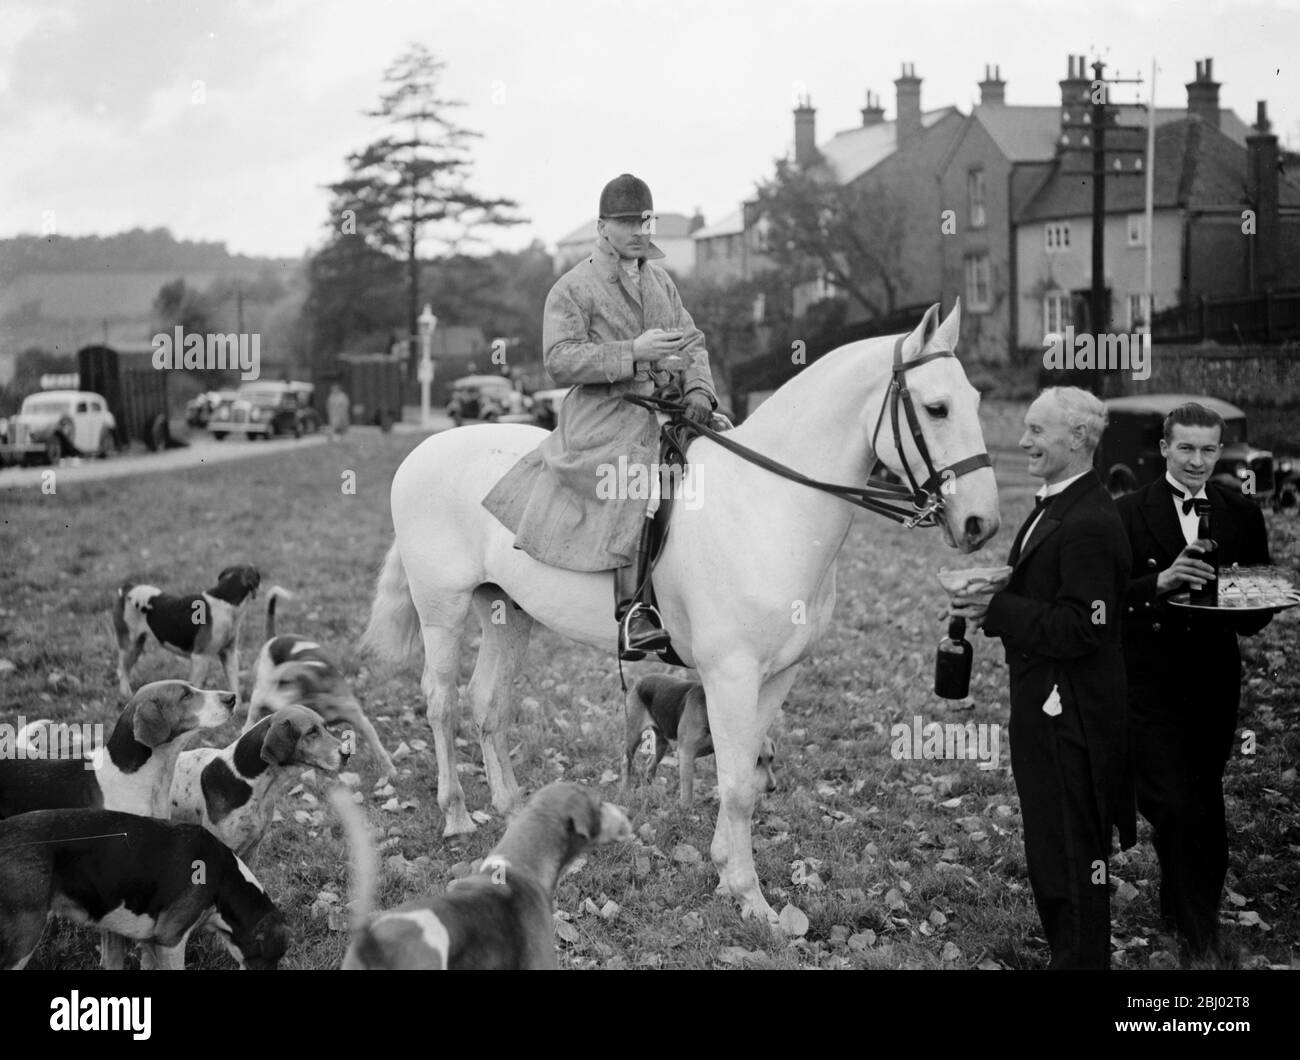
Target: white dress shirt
<point>1052,491</point>
<point>1191,520</point>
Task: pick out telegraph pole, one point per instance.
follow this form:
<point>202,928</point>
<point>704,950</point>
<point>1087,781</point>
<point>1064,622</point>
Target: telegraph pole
<point>1101,114</point>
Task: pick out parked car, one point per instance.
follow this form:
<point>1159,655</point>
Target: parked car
<point>198,410</point>
<point>491,398</point>
<point>265,410</point>
<point>58,423</point>
<point>546,406</point>
<point>1129,454</point>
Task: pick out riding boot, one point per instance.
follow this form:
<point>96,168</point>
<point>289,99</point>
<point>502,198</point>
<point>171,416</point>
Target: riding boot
<point>640,629</point>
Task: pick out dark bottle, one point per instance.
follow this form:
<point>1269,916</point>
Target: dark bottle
<point>952,664</point>
<point>1208,594</point>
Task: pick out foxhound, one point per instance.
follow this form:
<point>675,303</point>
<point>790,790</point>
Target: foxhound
<point>499,917</point>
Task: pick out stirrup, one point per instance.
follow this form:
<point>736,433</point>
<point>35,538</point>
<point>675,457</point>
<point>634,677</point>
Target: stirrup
<point>635,654</point>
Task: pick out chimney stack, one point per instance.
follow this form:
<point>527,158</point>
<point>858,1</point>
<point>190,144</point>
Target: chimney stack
<point>1074,146</point>
<point>1262,187</point>
<point>805,133</point>
<point>993,90</point>
<point>873,113</point>
<point>1203,94</point>
<point>908,88</point>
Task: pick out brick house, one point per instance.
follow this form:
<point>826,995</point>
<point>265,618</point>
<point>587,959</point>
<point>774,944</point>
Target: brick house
<point>1205,178</point>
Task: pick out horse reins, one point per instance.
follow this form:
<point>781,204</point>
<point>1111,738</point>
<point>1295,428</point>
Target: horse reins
<point>877,495</point>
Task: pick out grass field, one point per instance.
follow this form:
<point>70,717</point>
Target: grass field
<point>896,864</point>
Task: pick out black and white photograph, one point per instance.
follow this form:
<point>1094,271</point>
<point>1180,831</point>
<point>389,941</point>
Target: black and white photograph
<point>651,485</point>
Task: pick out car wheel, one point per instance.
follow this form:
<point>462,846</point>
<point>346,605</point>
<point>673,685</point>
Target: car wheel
<point>107,444</point>
<point>218,435</point>
<point>53,449</point>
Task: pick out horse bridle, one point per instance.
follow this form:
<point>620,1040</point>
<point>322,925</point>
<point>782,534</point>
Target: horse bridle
<point>877,495</point>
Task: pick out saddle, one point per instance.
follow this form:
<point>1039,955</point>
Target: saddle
<point>675,434</point>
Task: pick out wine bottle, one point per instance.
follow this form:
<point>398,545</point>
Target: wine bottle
<point>1208,594</point>
<point>953,661</point>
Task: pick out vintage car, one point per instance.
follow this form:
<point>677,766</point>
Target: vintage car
<point>198,410</point>
<point>546,406</point>
<point>58,423</point>
<point>491,398</point>
<point>266,410</point>
<point>1129,454</point>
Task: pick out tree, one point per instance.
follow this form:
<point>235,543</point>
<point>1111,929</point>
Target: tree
<point>179,304</point>
<point>408,190</point>
<point>741,319</point>
<point>851,234</point>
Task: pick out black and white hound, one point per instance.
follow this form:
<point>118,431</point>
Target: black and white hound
<point>203,627</point>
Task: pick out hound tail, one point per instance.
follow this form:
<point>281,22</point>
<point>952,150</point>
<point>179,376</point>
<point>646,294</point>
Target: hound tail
<point>276,593</point>
<point>394,630</point>
<point>362,853</point>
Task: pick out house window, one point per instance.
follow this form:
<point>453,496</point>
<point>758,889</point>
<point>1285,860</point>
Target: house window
<point>1136,230</point>
<point>978,289</point>
<point>975,198</point>
<point>1056,312</point>
<point>1058,236</point>
<point>1137,310</point>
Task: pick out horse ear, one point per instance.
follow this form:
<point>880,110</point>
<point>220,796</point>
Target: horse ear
<point>921,335</point>
<point>946,335</point>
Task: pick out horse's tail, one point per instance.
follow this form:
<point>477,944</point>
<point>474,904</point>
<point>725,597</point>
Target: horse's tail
<point>394,630</point>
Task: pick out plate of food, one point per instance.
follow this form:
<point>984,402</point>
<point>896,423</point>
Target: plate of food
<point>1248,590</point>
<point>973,579</point>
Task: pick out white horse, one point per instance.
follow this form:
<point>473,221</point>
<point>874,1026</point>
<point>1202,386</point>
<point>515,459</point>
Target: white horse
<point>746,582</point>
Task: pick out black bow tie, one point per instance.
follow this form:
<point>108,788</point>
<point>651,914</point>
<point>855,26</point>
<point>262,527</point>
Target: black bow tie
<point>1188,502</point>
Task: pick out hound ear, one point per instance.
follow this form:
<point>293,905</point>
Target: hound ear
<point>947,334</point>
<point>586,821</point>
<point>150,725</point>
<point>280,742</point>
<point>921,334</point>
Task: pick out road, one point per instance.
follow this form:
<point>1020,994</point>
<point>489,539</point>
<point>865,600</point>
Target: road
<point>201,452</point>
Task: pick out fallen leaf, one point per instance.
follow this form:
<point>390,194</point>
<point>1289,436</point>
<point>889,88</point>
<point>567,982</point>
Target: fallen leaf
<point>1125,892</point>
<point>391,805</point>
<point>894,899</point>
<point>950,952</point>
<point>609,777</point>
<point>793,921</point>
<point>352,780</point>
<point>862,941</point>
<point>481,817</point>
<point>685,854</point>
<point>610,910</point>
<point>566,931</point>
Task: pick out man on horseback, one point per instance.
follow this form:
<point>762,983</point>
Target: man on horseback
<point>614,325</point>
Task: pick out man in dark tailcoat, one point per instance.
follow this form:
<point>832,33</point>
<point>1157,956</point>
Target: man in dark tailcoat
<point>1059,619</point>
<point>1184,672</point>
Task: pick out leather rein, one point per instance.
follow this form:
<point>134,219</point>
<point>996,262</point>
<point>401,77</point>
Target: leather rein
<point>883,498</point>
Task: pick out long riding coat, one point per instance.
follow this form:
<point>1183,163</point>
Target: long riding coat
<point>557,499</point>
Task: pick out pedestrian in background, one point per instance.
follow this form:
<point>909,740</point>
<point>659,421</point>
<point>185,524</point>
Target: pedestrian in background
<point>338,407</point>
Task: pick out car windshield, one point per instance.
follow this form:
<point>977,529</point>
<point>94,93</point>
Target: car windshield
<point>46,408</point>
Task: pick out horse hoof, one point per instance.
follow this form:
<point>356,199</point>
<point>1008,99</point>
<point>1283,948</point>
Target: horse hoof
<point>458,823</point>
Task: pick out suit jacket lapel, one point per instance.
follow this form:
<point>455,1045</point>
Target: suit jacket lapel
<point>1054,513</point>
<point>1161,519</point>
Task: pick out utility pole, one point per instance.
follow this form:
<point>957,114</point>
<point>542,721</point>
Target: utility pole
<point>1098,310</point>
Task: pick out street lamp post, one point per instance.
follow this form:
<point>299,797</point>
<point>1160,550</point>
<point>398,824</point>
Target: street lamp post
<point>427,323</point>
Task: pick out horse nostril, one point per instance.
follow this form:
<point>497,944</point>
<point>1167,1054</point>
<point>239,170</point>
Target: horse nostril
<point>974,527</point>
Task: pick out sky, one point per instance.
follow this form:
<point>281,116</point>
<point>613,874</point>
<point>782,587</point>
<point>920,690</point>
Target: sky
<point>103,127</point>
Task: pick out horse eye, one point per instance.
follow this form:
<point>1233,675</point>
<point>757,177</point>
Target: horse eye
<point>939,411</point>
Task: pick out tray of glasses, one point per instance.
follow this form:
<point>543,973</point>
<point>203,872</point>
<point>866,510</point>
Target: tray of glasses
<point>1247,590</point>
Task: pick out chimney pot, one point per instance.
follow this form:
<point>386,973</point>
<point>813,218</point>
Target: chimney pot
<point>805,133</point>
<point>1203,94</point>
<point>908,97</point>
